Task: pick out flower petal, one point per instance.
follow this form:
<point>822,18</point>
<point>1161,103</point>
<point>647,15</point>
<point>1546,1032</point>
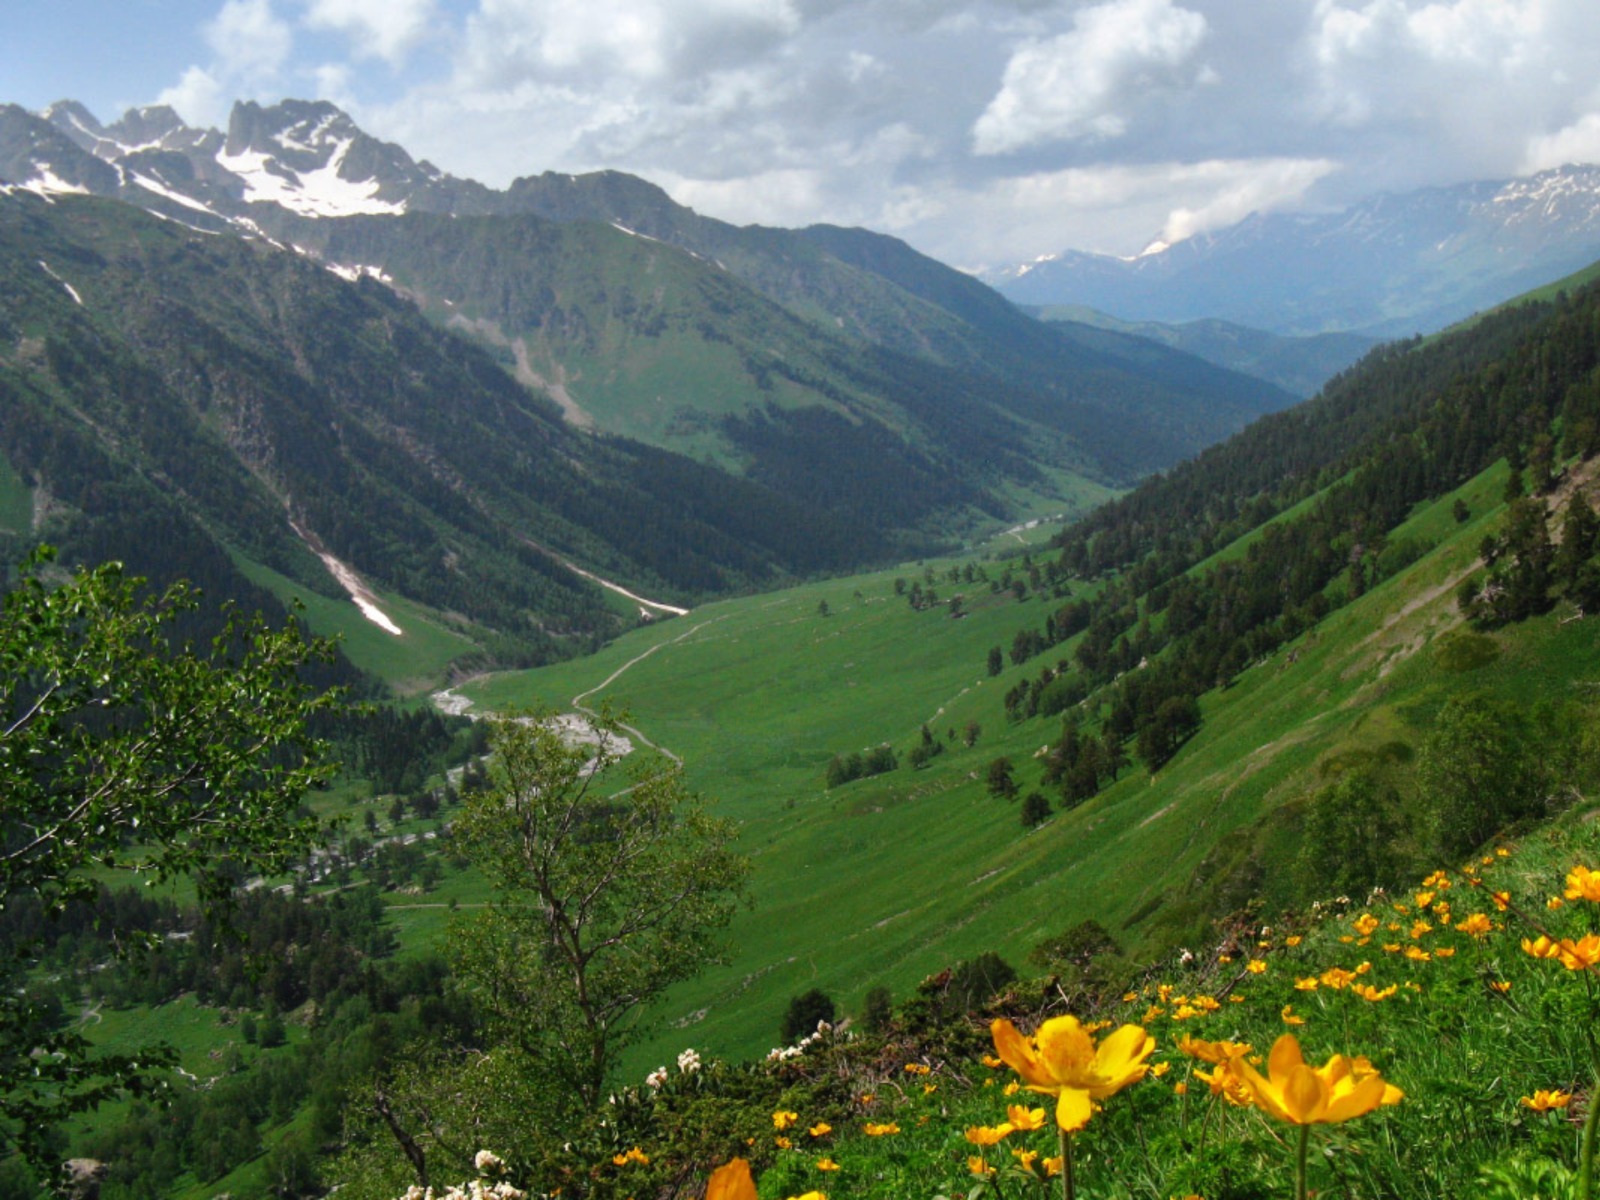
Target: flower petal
<point>1073,1109</point>
<point>732,1181</point>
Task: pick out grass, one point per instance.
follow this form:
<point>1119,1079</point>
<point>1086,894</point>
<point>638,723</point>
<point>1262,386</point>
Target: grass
<point>886,880</point>
<point>413,662</point>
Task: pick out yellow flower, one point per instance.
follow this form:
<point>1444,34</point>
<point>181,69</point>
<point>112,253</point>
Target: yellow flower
<point>634,1155</point>
<point>1294,939</point>
<point>1255,966</point>
<point>1419,928</point>
<point>1424,899</point>
<point>1500,985</point>
<point>929,1089</point>
<point>782,1119</point>
<point>1308,984</point>
<point>1012,1088</point>
<point>1544,1100</point>
<point>1180,1088</point>
<point>991,1061</point>
<point>1583,884</point>
<point>913,1068</point>
<point>1023,1118</point>
<point>868,1098</point>
<point>989,1135</point>
<point>1367,992</point>
<point>1288,1016</point>
<point>1224,958</point>
<point>1418,954</point>
<point>1026,1159</point>
<point>1062,1060</point>
<point>1444,952</point>
<point>782,1143</point>
<point>1226,1082</point>
<point>1127,998</point>
<point>1337,978</point>
<point>820,1129</point>
<point>1301,1094</point>
<point>1554,903</point>
<point>977,1166</point>
<point>887,1127</point>
<point>1478,925</point>
<point>1212,1052</point>
<point>1160,1069</point>
<point>1439,880</point>
<point>809,1196</point>
<point>1502,900</point>
<point>1052,1166</point>
<point>1365,924</point>
<point>826,1164</point>
<point>1579,955</point>
<point>732,1182</point>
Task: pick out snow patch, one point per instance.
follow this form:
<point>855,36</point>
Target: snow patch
<point>358,591</point>
<point>356,272</point>
<point>153,185</point>
<point>71,291</point>
<point>319,193</point>
<point>47,184</point>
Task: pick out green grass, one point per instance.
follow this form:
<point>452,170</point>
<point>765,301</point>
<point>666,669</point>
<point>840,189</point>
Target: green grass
<point>413,662</point>
<point>886,880</point>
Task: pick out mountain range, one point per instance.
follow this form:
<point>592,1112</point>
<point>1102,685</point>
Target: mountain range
<point>1391,266</point>
<point>292,348</point>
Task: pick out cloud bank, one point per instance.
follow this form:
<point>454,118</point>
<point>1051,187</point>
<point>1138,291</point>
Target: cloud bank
<point>983,133</point>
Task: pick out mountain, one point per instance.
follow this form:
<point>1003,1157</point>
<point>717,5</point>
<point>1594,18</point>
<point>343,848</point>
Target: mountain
<point>1390,266</point>
<point>203,406</point>
<point>1299,365</point>
<point>302,174</point>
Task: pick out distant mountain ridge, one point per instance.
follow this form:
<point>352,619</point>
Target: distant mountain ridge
<point>1390,266</point>
<point>300,172</point>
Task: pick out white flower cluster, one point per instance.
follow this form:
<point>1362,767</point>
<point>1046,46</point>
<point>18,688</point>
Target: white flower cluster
<point>485,1163</point>
<point>689,1061</point>
<point>656,1078</point>
<point>779,1054</point>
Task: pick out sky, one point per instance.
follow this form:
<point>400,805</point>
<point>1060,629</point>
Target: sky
<point>983,133</point>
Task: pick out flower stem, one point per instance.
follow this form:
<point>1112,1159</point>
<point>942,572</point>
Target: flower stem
<point>1586,1155</point>
<point>1068,1190</point>
<point>1300,1163</point>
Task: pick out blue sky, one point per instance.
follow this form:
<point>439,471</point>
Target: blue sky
<point>983,132</point>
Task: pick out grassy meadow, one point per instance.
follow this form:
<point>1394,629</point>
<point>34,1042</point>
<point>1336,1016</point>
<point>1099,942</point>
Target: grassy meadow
<point>887,879</point>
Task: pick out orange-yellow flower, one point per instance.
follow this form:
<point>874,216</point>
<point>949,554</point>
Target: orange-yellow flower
<point>820,1129</point>
<point>978,1166</point>
<point>1308,984</point>
<point>989,1060</point>
<point>732,1181</point>
<point>635,1155</point>
<point>1226,1082</point>
<point>1255,966</point>
<point>782,1119</point>
<point>1583,884</point>
<point>875,1130</point>
<point>1337,978</point>
<point>826,1164</point>
<point>1579,955</point>
<point>989,1135</point>
<point>1212,1052</point>
<point>1023,1118</point>
<point>1289,1017</point>
<point>1367,992</point>
<point>1545,1099</point>
<point>1294,939</point>
<point>1026,1159</point>
<point>1062,1060</point>
<point>1478,925</point>
<point>1500,985</point>
<point>1052,1166</point>
<point>1365,924</point>
<point>1301,1094</point>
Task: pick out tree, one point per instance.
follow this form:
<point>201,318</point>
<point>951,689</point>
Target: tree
<point>997,662</point>
<point>806,1011</point>
<point>1000,780</point>
<point>121,751</point>
<point>604,896</point>
<point>1035,810</point>
<point>1476,772</point>
<point>877,1009</point>
<point>1348,843</point>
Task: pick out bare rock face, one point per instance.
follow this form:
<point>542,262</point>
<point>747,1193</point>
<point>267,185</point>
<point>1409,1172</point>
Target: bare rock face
<point>81,1178</point>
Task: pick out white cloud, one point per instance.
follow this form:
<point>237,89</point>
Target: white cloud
<point>512,40</point>
<point>386,29</point>
<point>1080,84</point>
<point>197,97</point>
<point>250,41</point>
<point>1579,142</point>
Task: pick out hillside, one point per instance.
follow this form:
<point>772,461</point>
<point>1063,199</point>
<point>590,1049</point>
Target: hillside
<point>1292,691</point>
<point>174,399</point>
<point>680,344</point>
